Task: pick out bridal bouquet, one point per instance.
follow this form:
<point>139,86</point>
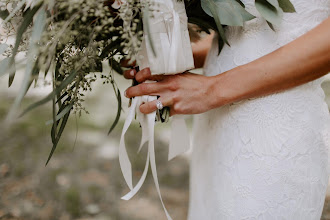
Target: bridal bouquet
<point>67,41</point>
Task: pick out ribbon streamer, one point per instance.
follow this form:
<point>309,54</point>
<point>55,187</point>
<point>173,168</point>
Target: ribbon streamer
<point>174,55</point>
<point>179,144</point>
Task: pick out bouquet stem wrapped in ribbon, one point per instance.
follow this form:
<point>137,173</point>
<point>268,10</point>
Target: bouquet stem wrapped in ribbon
<point>166,50</point>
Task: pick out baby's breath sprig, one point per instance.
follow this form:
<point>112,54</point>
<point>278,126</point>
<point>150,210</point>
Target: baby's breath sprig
<point>69,40</point>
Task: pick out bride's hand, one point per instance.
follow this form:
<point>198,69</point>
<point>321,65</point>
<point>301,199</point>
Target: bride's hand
<point>184,93</point>
<point>190,94</point>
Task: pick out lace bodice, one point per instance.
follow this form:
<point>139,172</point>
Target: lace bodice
<point>256,39</point>
<point>263,158</point>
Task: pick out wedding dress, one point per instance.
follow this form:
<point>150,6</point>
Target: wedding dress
<point>263,158</point>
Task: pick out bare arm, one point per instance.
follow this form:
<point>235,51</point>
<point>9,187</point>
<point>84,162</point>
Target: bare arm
<point>303,60</point>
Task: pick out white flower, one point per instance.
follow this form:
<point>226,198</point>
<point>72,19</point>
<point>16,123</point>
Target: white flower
<point>117,4</point>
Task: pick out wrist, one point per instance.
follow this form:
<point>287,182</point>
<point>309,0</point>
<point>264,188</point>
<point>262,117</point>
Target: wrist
<point>218,91</point>
<point>228,87</point>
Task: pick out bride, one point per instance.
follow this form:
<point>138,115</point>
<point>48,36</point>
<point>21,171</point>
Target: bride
<point>260,137</point>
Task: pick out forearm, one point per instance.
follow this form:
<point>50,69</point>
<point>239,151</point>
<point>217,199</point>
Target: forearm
<point>303,60</point>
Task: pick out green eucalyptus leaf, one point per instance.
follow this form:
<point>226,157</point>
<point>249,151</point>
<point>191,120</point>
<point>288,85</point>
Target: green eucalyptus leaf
<point>55,125</point>
<point>270,10</point>
<point>209,5</point>
<point>116,66</point>
<point>59,134</point>
<point>111,47</point>
<point>64,94</point>
<point>39,25</point>
<point>53,132</point>
<point>220,45</point>
<point>12,74</point>
<point>196,15</point>
<point>273,3</point>
<point>50,96</point>
<point>3,48</point>
<point>16,9</point>
<point>118,111</point>
<point>241,3</point>
<point>35,73</point>
<point>286,6</point>
<point>61,114</point>
<point>4,14</point>
<point>230,12</point>
<point>227,14</point>
<point>37,29</point>
<point>47,69</point>
<point>4,66</point>
<point>28,18</point>
<point>271,25</point>
<point>246,15</point>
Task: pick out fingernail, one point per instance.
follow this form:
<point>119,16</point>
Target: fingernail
<point>131,72</point>
<point>125,94</point>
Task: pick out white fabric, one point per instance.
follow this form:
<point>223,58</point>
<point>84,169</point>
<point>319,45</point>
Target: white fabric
<point>147,124</point>
<point>264,158</point>
<point>170,37</point>
<point>169,31</point>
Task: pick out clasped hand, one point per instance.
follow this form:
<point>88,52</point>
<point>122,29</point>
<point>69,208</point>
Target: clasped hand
<point>184,93</point>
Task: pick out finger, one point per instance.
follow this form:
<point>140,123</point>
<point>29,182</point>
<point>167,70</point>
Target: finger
<point>172,112</point>
<point>145,89</point>
<point>145,75</point>
<point>130,74</point>
<point>149,107</point>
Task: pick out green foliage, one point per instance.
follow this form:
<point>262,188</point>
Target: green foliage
<point>270,10</point>
<point>286,6</point>
<point>229,12</point>
<point>3,48</point>
<point>4,14</point>
<point>71,39</point>
<point>28,18</point>
<point>117,92</point>
<point>232,13</point>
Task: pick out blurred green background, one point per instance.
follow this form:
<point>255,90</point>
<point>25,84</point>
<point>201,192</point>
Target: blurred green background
<point>83,179</point>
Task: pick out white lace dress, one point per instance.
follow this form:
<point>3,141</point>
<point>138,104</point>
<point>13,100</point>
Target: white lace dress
<point>264,158</point>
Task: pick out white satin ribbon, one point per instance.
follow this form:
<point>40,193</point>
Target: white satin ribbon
<point>173,18</point>
<point>174,55</point>
<point>178,145</point>
<point>170,37</point>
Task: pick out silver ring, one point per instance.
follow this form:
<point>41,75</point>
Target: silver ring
<point>159,105</point>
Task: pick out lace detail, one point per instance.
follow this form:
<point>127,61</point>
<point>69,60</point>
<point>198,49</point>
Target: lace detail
<point>256,39</point>
<point>263,158</point>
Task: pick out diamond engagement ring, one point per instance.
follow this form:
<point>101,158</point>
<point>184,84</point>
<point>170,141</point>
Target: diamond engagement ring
<point>159,105</point>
